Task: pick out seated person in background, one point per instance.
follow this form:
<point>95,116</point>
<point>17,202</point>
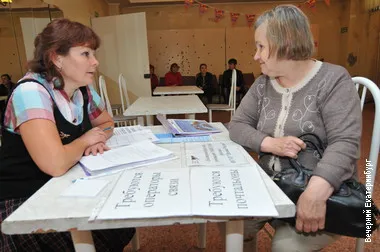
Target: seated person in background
<point>173,77</point>
<point>66,112</point>
<point>153,78</point>
<point>204,81</point>
<point>297,94</point>
<point>227,76</point>
<point>6,80</point>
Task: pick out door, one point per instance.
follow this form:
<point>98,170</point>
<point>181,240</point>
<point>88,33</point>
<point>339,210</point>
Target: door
<point>124,49</point>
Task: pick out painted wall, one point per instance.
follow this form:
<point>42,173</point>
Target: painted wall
<point>81,11</point>
<point>173,28</point>
<point>12,49</point>
<point>364,42</point>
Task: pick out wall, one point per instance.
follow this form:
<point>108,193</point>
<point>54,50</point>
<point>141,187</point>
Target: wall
<point>364,41</point>
<point>81,11</point>
<point>169,21</point>
<point>12,49</point>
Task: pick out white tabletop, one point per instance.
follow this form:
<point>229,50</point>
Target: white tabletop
<point>3,98</point>
<point>47,210</point>
<point>177,90</point>
<point>166,105</point>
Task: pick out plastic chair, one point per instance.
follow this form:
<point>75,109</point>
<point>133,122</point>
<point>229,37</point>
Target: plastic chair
<point>231,106</point>
<point>120,120</point>
<point>375,141</point>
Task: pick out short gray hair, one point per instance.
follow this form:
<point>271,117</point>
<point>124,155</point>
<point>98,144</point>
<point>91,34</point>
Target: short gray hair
<point>288,32</point>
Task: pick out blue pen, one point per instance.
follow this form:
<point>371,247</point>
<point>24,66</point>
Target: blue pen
<point>108,128</point>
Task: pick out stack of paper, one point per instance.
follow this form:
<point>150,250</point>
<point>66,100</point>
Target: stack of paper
<point>131,134</point>
<point>131,156</point>
<point>187,127</point>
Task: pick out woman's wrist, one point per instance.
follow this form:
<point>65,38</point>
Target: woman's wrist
<point>266,144</point>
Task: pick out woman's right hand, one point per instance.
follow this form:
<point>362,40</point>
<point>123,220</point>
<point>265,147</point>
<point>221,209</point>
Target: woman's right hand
<point>288,146</point>
<point>94,136</point>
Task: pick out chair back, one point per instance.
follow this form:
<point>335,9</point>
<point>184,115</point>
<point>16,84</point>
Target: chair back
<point>375,141</point>
<point>188,80</point>
<point>104,94</point>
<point>162,81</point>
<point>232,98</point>
<point>123,93</point>
<point>249,79</point>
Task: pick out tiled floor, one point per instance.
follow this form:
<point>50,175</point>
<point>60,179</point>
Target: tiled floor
<point>184,237</point>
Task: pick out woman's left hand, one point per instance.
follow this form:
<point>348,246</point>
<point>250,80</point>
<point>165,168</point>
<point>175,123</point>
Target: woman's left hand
<point>311,205</point>
<point>96,148</point>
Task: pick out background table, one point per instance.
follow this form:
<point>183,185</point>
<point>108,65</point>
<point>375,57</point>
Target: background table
<point>177,90</point>
<point>166,105</point>
<point>46,210</point>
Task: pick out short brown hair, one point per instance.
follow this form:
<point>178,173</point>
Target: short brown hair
<point>57,38</point>
<point>288,33</point>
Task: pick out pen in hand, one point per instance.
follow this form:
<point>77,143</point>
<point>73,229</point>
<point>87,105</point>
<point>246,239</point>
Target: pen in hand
<point>108,128</point>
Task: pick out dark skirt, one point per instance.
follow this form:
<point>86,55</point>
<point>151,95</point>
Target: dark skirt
<point>112,240</point>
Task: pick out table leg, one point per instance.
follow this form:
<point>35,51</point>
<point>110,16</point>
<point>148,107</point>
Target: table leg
<point>202,232</point>
<point>140,120</point>
<point>190,116</point>
<point>234,236</point>
<point>149,120</point>
<point>83,241</point>
<point>136,241</point>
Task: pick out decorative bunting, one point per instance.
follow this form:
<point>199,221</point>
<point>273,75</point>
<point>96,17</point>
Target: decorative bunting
<point>202,8</point>
<point>311,3</point>
<point>188,3</point>
<point>219,14</point>
<point>234,17</point>
<point>250,19</point>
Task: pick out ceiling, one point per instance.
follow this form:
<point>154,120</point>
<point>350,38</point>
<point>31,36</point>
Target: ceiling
<point>134,3</point>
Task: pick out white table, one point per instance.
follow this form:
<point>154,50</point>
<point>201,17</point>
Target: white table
<point>3,98</point>
<point>166,105</point>
<point>177,90</point>
<point>47,211</point>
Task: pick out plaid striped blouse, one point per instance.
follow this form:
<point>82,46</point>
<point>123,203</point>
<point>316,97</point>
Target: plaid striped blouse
<point>30,101</point>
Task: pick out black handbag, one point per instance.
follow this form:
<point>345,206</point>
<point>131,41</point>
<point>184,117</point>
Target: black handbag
<point>350,211</point>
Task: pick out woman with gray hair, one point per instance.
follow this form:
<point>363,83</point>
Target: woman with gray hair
<point>295,95</point>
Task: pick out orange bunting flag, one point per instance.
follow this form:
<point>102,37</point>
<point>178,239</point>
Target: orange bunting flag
<point>250,19</point>
<point>327,2</point>
<point>202,8</point>
<point>188,3</point>
<point>234,17</point>
<point>219,14</point>
<point>311,3</point>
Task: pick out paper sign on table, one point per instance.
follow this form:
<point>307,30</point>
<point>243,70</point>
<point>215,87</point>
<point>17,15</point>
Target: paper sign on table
<point>149,194</point>
<point>214,154</point>
<point>230,191</point>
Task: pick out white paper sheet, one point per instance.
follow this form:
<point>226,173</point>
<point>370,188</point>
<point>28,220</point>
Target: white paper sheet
<point>230,191</point>
<point>85,188</point>
<point>214,154</point>
<point>149,194</point>
<point>118,140</point>
<point>138,153</point>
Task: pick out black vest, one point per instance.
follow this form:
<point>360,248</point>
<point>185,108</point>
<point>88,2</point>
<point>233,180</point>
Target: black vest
<point>19,175</point>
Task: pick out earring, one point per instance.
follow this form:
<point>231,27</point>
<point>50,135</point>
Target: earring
<point>56,82</point>
<point>60,69</point>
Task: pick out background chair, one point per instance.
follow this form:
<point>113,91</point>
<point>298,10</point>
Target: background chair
<point>375,141</point>
<point>120,120</point>
<point>249,79</point>
<point>231,106</point>
<point>188,80</point>
<point>217,90</point>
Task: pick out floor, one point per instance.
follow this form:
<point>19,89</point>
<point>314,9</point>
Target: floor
<point>183,238</point>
